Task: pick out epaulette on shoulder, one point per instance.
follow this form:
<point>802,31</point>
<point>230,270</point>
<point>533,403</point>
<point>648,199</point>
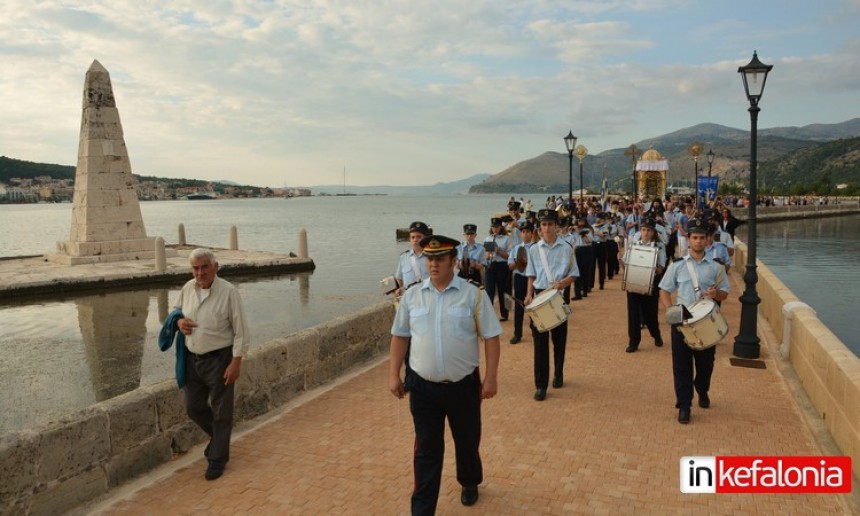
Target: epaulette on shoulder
<point>475,283</point>
<point>405,252</point>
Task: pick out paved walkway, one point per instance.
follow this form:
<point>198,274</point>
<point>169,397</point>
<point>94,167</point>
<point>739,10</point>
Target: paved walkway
<point>607,442</point>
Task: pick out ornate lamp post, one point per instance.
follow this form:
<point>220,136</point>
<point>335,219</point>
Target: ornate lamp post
<point>696,149</point>
<point>746,345</point>
<point>581,152</point>
<point>710,156</point>
<point>570,143</point>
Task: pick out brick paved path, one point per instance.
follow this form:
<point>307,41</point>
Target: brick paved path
<point>608,442</point>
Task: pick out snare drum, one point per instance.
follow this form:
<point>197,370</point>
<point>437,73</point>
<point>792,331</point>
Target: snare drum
<point>548,310</point>
<point>706,327</point>
<point>639,270</point>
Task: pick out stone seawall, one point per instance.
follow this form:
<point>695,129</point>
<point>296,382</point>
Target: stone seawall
<point>812,211</point>
<point>54,467</point>
<point>828,371</point>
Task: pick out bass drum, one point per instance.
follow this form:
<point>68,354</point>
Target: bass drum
<point>640,269</point>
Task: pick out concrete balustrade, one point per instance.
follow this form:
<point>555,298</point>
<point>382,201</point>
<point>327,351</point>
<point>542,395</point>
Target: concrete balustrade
<point>828,371</point>
<point>59,465</point>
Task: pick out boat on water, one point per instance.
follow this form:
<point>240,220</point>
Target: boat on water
<point>199,196</point>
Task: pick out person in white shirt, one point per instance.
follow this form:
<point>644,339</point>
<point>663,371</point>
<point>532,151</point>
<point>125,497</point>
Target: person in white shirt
<point>216,336</point>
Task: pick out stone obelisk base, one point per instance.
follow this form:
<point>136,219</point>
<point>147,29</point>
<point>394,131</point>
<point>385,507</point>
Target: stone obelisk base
<point>78,253</point>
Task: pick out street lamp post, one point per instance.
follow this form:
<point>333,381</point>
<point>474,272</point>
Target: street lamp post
<point>581,152</point>
<point>746,344</point>
<point>570,143</point>
<point>695,149</point>
<point>710,160</point>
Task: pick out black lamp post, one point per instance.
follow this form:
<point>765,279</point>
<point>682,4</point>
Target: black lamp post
<point>570,143</point>
<point>710,160</point>
<point>747,342</point>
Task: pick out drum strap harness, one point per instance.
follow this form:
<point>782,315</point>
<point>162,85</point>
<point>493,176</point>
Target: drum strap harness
<point>694,278</point>
<point>545,263</point>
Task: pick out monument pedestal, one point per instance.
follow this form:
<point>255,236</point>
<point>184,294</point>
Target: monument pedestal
<point>79,253</point>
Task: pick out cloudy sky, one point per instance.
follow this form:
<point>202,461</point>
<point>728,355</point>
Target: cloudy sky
<point>408,92</point>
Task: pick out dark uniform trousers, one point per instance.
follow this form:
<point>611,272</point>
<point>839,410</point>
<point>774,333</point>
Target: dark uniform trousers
<point>497,281</point>
<point>430,403</point>
<point>684,360</point>
<point>521,284</point>
<point>599,263</point>
<point>585,263</point>
<point>204,379</point>
<point>541,342</point>
<point>642,309</point>
<point>612,264</point>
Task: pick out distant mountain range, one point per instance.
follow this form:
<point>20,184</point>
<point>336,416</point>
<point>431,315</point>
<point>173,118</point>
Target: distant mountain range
<point>549,172</point>
<point>455,187</point>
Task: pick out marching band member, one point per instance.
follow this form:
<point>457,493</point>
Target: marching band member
<point>612,266</point>
<point>411,264</point>
<point>599,243</point>
<point>517,265</point>
<point>551,265</point>
<point>470,256</point>
<point>496,277</point>
<point>644,306</point>
<point>715,285</point>
<point>584,253</point>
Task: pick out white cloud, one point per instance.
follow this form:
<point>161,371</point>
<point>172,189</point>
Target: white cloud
<point>274,91</point>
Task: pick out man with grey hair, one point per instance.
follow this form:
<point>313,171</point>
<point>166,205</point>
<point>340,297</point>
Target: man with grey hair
<point>217,336</point>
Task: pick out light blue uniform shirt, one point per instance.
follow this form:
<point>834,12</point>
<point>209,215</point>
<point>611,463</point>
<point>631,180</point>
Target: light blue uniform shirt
<point>405,273</point>
<point>708,272</point>
<point>560,259</point>
<point>573,239</point>
<point>512,258</point>
<point>474,251</point>
<point>718,250</point>
<point>503,242</point>
<point>442,327</point>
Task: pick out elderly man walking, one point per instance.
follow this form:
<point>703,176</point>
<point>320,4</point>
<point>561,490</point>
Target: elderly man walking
<point>216,336</point>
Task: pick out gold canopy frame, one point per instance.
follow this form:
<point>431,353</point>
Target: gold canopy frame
<point>653,170</point>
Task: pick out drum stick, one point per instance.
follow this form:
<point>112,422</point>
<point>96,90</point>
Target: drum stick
<point>515,300</point>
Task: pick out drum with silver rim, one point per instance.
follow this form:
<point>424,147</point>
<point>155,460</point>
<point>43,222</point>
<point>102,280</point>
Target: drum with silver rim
<point>640,269</point>
<point>707,326</point>
<point>547,310</point>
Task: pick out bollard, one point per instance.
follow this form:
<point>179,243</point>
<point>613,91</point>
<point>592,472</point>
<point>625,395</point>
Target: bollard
<point>160,257</point>
<point>181,234</point>
<point>234,239</point>
<point>162,304</point>
<point>303,243</point>
<point>788,314</point>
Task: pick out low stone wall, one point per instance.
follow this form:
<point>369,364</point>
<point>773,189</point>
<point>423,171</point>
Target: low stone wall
<point>810,211</point>
<point>827,369</point>
<point>57,466</point>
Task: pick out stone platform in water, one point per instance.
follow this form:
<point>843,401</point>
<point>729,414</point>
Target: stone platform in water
<point>37,276</point>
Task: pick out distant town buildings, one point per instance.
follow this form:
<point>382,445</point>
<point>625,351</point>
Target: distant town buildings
<point>47,189</point>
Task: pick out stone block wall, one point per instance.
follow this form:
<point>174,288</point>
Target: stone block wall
<point>57,466</point>
<point>828,371</point>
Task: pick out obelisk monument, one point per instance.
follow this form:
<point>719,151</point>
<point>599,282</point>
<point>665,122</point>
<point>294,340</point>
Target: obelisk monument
<point>106,222</point>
